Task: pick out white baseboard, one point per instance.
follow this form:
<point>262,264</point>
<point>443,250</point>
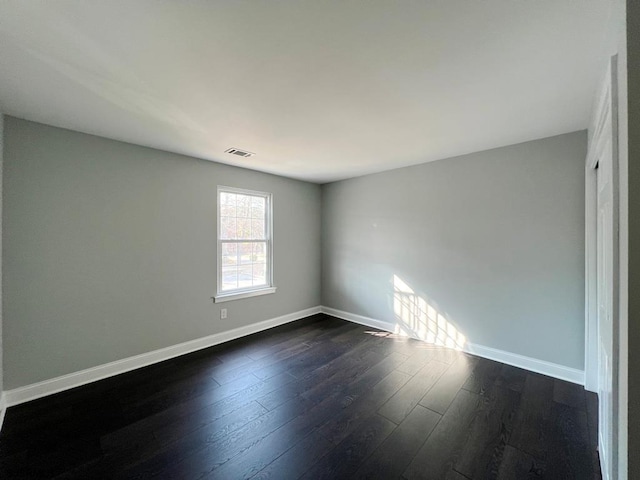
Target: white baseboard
<point>83,377</point>
<point>532,364</point>
<point>352,317</point>
<point>550,369</point>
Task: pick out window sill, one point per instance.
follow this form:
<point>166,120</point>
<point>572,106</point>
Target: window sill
<point>227,297</point>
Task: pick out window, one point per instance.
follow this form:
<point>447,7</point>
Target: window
<point>244,244</point>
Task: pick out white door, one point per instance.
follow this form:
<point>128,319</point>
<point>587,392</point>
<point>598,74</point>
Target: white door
<point>606,347</point>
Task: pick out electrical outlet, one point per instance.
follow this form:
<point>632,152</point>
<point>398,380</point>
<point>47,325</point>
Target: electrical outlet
<point>223,313</point>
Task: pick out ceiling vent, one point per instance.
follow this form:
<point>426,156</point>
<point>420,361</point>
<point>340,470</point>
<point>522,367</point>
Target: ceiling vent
<point>240,153</point>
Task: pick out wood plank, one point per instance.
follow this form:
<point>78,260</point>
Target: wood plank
<point>280,360</point>
<point>440,452</point>
<point>334,372</point>
<point>393,456</point>
<point>519,465</point>
<point>444,355</point>
<point>569,454</point>
<point>488,434</point>
<point>280,338</point>
<point>266,450</point>
<point>208,407</point>
<point>342,462</point>
<point>440,396</point>
<point>51,462</point>
<point>346,420</point>
<point>336,381</point>
<point>292,464</point>
<point>198,453</point>
<point>416,362</point>
<point>403,402</point>
<point>327,352</point>
<point>138,446</point>
<point>569,394</point>
<point>530,432</point>
<point>483,376</point>
<point>258,344</point>
<point>512,378</point>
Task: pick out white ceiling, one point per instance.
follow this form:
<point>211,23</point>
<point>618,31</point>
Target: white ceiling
<point>320,90</point>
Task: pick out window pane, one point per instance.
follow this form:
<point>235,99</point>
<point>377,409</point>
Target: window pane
<point>244,206</point>
<point>259,252</point>
<point>244,200</point>
<point>228,228</point>
<point>228,260</point>
<point>243,228</point>
<point>257,228</point>
<point>257,207</point>
<point>228,210</point>
<point>246,251</point>
<point>244,276</point>
<point>229,249</point>
<point>259,273</point>
<point>228,198</point>
<point>229,278</point>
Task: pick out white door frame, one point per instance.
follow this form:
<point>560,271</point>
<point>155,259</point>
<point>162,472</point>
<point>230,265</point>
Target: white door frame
<point>604,129</point>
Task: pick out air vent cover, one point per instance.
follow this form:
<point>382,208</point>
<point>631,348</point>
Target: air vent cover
<point>241,153</point>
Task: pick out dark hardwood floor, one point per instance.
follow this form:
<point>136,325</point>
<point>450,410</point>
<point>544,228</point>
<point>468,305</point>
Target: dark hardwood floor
<point>314,399</point>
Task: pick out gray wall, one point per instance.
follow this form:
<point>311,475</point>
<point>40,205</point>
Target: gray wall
<point>110,250</point>
<point>493,242</point>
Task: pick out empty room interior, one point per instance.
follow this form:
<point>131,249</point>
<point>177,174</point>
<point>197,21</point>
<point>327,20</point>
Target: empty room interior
<point>291,239</point>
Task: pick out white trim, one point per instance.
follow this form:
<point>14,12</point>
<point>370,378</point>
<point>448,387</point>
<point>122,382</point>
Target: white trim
<point>3,408</point>
<point>599,129</point>
<point>550,369</point>
<point>602,454</point>
<point>604,131</point>
<point>227,297</point>
<point>83,377</point>
<point>615,170</point>
<point>591,291</point>
<point>352,317</point>
<point>554,370</point>
<point>603,123</point>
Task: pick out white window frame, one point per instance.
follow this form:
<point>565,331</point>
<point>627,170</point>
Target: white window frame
<point>225,296</point>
